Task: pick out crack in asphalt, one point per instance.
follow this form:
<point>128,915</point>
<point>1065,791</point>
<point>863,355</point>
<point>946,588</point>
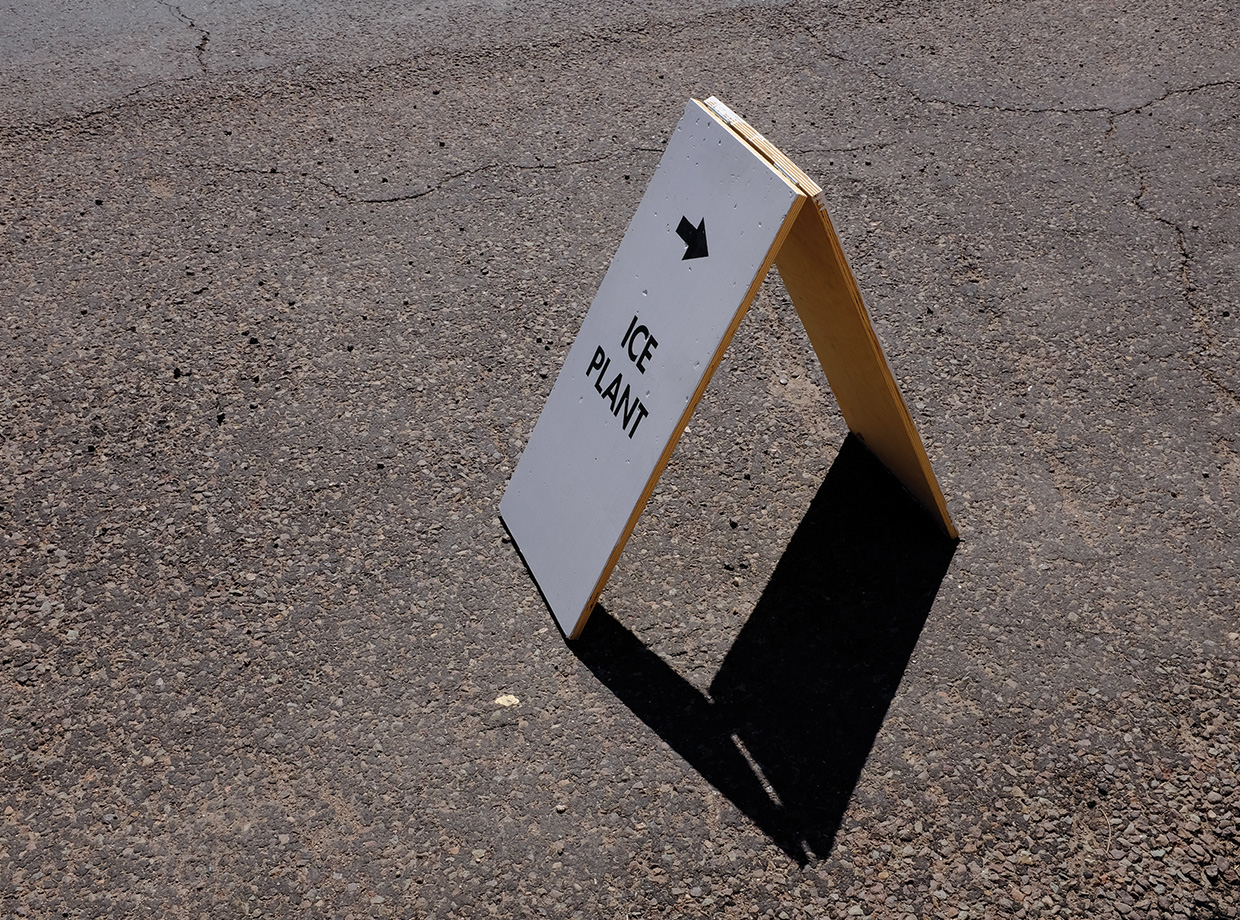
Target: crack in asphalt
<point>855,148</point>
<point>204,36</point>
<point>1010,109</point>
<point>469,172</point>
<point>1200,362</point>
<point>1178,91</point>
<point>344,194</point>
<point>29,129</point>
<point>337,77</point>
<point>1185,275</point>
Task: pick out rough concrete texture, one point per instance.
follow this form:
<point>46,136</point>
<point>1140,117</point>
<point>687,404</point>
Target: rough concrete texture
<point>284,288</point>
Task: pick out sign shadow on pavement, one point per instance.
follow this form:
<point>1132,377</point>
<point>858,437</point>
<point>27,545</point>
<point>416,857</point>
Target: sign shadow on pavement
<point>798,702</point>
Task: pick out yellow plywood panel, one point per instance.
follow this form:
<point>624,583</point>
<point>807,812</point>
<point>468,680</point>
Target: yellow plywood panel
<point>827,300</point>
<point>829,303</point>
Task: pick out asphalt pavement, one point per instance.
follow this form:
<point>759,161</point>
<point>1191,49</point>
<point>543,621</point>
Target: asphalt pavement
<point>283,288</point>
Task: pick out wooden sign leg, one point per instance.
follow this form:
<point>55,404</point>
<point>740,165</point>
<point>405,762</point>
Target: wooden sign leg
<point>826,297</point>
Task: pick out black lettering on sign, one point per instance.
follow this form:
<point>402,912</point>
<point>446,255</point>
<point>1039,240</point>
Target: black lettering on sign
<point>602,362</point>
<point>630,341</point>
<point>620,403</point>
<point>629,333</point>
<point>613,390</point>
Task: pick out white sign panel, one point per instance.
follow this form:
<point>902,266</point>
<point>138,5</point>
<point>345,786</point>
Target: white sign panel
<point>705,230</point>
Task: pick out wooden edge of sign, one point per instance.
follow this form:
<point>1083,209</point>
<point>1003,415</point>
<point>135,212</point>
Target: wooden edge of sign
<point>825,294</point>
<point>764,148</point>
<point>666,456</point>
<point>828,300</point>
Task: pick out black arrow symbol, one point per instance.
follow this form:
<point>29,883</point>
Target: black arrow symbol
<point>694,237</point>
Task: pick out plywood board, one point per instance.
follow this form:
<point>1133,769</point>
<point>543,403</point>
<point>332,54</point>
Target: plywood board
<point>826,298</point>
<point>822,287</point>
<point>690,262</point>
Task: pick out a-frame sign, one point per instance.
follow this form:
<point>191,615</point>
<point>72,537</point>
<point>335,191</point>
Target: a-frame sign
<point>722,206</point>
